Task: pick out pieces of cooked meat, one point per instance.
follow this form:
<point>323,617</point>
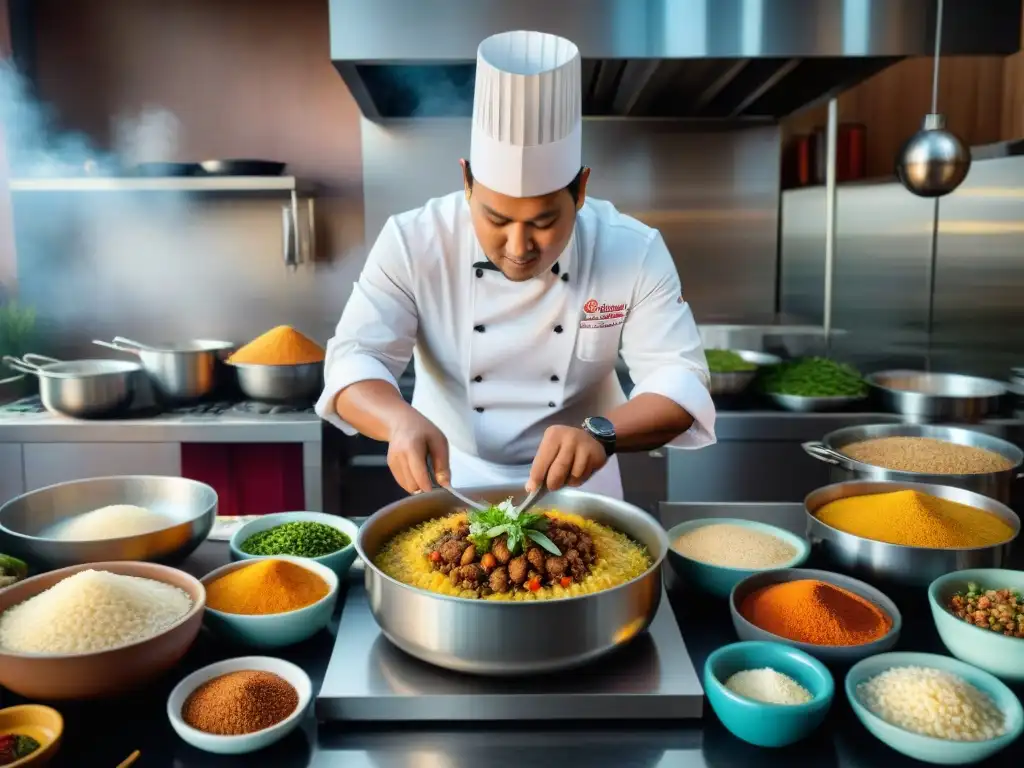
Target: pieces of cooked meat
<point>518,568</point>
<point>499,581</point>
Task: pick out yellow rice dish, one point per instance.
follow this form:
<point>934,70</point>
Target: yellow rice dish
<point>618,559</point>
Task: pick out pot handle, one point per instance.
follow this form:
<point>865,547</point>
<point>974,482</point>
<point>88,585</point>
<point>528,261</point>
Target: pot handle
<point>21,366</point>
<point>116,346</point>
<point>138,345</point>
<point>822,452</point>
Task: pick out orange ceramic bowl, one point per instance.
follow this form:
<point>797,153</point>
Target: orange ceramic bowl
<point>41,723</point>
<point>54,677</point>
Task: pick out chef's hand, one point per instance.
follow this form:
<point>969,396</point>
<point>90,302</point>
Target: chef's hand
<point>567,456</point>
<point>414,440</point>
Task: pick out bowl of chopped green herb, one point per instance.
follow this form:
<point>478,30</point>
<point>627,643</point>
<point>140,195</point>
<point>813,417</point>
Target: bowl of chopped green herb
<point>813,384</point>
<point>326,539</point>
<point>732,371</point>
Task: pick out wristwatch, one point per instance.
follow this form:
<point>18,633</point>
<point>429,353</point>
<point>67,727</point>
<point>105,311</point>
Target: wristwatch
<point>601,430</point>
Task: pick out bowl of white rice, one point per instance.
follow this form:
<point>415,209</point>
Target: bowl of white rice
<point>934,708</point>
<point>132,517</point>
<point>96,630</point>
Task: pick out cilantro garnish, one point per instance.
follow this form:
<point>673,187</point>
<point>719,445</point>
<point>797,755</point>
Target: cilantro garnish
<point>498,519</point>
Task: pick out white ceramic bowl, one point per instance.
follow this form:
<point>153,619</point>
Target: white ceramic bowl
<point>249,742</point>
<point>274,630</point>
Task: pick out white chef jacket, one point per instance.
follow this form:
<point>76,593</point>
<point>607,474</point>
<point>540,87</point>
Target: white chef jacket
<point>497,362</point>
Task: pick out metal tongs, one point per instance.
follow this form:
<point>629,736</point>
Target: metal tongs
<point>539,493</point>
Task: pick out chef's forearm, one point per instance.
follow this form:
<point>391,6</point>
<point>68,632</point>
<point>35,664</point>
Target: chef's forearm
<point>373,407</point>
<point>648,421</point>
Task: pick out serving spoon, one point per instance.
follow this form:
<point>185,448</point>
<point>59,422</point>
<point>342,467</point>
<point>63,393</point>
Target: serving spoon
<point>478,506</point>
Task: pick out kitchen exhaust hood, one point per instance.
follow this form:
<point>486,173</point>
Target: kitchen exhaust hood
<point>719,60</point>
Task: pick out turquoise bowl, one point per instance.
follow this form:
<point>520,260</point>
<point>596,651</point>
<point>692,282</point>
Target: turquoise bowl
<point>761,724</point>
<point>928,748</point>
<point>719,580</point>
<point>1002,656</point>
<point>340,562</point>
<point>273,630</point>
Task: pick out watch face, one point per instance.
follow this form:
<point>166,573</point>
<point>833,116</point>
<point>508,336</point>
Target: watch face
<point>601,427</point>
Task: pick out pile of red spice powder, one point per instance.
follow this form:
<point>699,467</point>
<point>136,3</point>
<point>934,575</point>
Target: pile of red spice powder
<point>815,612</point>
<point>239,703</point>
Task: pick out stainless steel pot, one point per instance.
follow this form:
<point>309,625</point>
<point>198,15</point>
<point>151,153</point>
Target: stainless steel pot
<point>996,485</point>
<point>511,638</point>
<point>734,382</point>
<point>81,388</point>
<point>181,372</point>
<point>877,561</point>
<point>937,397</point>
<point>280,383</point>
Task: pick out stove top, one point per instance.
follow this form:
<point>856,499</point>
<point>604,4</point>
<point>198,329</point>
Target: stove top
<point>33,404</point>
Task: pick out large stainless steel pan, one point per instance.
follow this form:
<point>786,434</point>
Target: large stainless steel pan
<point>181,372</point>
<point>996,485</point>
<point>190,505</point>
<point>879,562</point>
<point>937,397</point>
<point>511,638</point>
<point>81,389</point>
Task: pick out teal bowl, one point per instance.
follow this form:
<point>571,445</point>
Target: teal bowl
<point>340,562</point>
<point>1002,656</point>
<point>273,630</point>
<point>718,580</point>
<point>928,748</point>
<point>761,724</point>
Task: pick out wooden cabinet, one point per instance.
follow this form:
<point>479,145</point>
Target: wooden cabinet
<point>49,463</point>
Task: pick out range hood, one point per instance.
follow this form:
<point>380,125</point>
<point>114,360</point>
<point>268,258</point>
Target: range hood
<point>731,60</point>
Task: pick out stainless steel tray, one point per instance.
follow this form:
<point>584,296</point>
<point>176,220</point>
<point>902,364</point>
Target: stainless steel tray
<point>369,679</point>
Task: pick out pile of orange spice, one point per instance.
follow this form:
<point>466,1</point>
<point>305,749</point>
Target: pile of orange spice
<point>266,586</point>
<point>282,345</point>
<point>815,612</point>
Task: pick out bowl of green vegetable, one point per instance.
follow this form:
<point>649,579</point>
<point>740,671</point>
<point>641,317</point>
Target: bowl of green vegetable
<point>325,539</point>
<point>732,371</point>
<point>812,384</point>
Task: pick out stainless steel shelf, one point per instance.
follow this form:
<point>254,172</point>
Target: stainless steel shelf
<point>162,184</point>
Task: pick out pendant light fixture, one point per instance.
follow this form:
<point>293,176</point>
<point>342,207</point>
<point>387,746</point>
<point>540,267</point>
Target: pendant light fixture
<point>934,161</point>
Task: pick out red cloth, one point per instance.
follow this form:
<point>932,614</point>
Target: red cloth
<point>249,478</point>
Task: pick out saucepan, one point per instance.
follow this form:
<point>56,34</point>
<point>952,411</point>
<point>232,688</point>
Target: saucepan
<point>81,389</point>
<point>181,372</point>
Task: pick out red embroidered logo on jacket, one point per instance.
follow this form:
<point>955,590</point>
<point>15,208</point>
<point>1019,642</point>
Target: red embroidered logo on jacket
<point>591,306</point>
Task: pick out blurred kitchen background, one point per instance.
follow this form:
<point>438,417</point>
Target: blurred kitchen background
<point>705,121</point>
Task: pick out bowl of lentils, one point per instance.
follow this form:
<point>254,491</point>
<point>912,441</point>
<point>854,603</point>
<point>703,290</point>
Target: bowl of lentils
<point>327,539</point>
<point>979,615</point>
<point>812,384</point>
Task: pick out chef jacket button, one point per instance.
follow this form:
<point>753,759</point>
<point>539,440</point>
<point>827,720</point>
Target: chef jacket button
<point>565,278</point>
<point>554,377</point>
<point>551,404</point>
<point>479,273</point>
<point>478,328</point>
<point>478,409</point>
<point>558,329</point>
<point>478,379</point>
<point>554,269</point>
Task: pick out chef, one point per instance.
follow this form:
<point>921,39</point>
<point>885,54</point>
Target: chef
<point>515,297</point>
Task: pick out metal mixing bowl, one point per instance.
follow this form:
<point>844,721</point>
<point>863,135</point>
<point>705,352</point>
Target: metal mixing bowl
<point>937,397</point>
<point>998,485</point>
<point>280,383</point>
<point>734,382</point>
<point>511,638</point>
<point>878,561</point>
<point>190,504</point>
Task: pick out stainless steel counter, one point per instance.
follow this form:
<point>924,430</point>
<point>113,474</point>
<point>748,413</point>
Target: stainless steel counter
<point>173,428</point>
<point>104,735</point>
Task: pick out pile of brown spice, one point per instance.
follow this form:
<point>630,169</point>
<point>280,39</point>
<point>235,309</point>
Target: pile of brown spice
<point>926,455</point>
<point>240,702</point>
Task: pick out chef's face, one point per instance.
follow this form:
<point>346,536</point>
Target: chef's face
<point>523,236</point>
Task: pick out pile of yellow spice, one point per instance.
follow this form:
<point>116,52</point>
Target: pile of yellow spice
<point>282,345</point>
<point>914,519</point>
<point>266,586</point>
